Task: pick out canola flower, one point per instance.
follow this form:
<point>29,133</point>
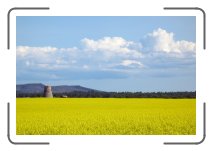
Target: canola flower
<point>105,116</point>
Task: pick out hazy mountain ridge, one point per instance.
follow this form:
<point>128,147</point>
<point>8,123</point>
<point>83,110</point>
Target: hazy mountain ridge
<point>76,91</point>
<point>39,88</point>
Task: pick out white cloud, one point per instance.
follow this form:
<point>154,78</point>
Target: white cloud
<point>45,57</point>
<point>162,41</point>
<point>113,46</point>
<point>86,67</point>
<point>132,63</point>
<point>159,50</point>
<point>22,51</point>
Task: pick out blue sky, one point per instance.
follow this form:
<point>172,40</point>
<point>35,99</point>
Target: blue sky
<point>108,53</point>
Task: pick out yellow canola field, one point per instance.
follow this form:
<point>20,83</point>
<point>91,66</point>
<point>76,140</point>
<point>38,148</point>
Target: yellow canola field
<point>105,116</point>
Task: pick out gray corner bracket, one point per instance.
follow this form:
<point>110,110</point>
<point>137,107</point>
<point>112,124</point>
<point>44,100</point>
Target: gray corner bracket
<point>193,8</point>
<point>8,19</point>
<point>19,143</point>
<point>193,143</point>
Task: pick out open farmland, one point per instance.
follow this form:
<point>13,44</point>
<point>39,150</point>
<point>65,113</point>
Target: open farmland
<point>105,116</point>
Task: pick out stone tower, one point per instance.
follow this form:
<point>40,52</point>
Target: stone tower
<point>48,92</point>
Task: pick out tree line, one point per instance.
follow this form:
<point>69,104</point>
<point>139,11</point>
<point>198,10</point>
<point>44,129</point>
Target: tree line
<point>100,94</point>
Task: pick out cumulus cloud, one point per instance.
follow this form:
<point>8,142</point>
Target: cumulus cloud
<point>92,54</point>
<point>132,63</point>
<point>113,46</point>
<point>162,41</point>
<point>22,51</point>
<point>112,55</point>
<point>45,57</point>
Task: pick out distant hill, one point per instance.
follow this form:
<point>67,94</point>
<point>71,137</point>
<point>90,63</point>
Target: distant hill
<point>76,91</point>
<point>39,88</point>
<point>30,88</point>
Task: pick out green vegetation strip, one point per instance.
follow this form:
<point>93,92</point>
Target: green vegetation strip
<point>105,116</point>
